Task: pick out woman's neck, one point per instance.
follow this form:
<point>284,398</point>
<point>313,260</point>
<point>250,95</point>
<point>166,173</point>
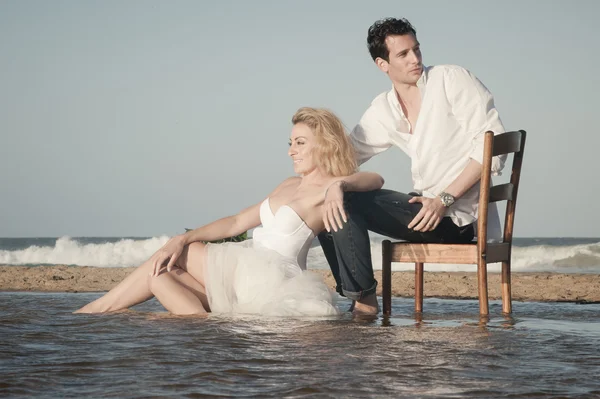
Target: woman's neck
<point>314,177</point>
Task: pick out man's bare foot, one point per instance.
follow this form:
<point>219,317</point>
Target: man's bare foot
<point>366,306</point>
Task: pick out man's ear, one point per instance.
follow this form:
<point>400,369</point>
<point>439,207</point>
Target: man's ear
<point>382,64</point>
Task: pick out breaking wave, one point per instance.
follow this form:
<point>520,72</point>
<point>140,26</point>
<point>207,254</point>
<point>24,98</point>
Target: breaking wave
<point>580,258</point>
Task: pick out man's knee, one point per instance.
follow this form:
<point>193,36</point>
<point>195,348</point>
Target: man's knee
<point>356,200</point>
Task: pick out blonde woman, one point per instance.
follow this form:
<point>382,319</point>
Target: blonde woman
<point>267,274</point>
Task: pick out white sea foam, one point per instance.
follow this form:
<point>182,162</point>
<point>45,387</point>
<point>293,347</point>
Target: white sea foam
<point>67,251</point>
<point>582,258</point>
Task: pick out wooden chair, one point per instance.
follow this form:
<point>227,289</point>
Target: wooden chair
<point>480,252</point>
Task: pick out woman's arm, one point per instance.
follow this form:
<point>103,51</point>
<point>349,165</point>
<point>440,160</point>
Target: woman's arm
<point>359,181</point>
<point>333,207</point>
<point>229,226</point>
<point>217,230</point>
<point>223,228</point>
<point>232,225</point>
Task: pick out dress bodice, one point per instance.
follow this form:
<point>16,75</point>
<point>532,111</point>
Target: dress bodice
<point>283,232</point>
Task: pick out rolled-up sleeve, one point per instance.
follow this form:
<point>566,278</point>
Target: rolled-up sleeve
<point>369,137</point>
<point>473,106</point>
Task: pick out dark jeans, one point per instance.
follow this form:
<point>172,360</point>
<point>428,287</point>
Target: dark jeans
<point>386,212</point>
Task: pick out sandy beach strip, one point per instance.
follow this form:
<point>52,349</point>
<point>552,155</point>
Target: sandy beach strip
<point>462,285</point>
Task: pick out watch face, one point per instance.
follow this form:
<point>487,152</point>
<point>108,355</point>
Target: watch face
<point>447,199</point>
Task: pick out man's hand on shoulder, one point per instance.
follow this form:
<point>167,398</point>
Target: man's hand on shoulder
<point>429,216</point>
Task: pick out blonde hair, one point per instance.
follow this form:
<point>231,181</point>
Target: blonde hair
<point>333,153</point>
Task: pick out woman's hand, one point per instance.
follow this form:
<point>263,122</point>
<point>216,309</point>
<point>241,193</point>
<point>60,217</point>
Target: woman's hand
<point>333,207</point>
<point>170,251</point>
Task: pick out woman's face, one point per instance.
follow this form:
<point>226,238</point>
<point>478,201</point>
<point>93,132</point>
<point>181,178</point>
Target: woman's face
<point>302,144</point>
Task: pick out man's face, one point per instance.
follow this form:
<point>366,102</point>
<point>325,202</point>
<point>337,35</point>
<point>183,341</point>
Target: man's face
<point>405,64</point>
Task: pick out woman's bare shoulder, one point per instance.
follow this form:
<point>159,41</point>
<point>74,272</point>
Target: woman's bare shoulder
<point>287,183</point>
<point>290,181</point>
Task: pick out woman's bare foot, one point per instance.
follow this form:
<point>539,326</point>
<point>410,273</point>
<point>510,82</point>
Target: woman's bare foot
<point>366,306</point>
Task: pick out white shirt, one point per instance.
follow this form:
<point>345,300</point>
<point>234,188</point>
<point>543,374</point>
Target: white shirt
<point>456,111</point>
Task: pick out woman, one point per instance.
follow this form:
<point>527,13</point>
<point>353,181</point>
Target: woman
<point>266,274</point>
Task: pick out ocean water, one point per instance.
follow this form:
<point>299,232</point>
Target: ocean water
<point>547,350</point>
<point>564,255</point>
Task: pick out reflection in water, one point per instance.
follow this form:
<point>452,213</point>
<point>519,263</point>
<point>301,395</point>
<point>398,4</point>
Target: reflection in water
<point>546,350</point>
<point>509,322</point>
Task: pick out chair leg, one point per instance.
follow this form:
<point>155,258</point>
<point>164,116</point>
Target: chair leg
<point>482,287</point>
<point>386,276</point>
<point>506,288</point>
<point>418,287</point>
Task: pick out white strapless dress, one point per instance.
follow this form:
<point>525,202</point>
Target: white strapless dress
<point>267,274</point>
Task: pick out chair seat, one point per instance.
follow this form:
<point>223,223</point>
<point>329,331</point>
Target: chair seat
<point>409,252</point>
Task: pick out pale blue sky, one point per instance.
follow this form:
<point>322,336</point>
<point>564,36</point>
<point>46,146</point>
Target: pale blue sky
<point>141,118</point>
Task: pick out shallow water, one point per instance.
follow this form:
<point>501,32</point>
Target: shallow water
<point>544,350</point>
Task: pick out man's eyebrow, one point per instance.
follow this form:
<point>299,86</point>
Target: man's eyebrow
<point>406,50</point>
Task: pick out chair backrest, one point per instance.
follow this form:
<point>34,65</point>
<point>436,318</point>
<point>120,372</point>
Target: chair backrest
<point>501,144</point>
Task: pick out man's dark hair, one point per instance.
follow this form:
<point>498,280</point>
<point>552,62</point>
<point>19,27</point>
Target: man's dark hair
<point>382,29</point>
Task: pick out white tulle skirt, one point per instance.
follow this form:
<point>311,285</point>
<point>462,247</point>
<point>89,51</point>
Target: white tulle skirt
<point>243,279</point>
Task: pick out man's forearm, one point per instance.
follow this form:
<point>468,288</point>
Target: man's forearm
<point>470,175</point>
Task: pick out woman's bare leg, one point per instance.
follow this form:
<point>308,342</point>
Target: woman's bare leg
<point>192,260</point>
<point>131,291</point>
<point>179,292</point>
<point>135,288</point>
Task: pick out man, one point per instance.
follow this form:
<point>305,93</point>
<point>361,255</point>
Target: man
<point>438,116</point>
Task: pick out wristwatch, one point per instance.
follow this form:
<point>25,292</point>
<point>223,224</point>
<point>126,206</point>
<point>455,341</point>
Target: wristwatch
<point>447,199</point>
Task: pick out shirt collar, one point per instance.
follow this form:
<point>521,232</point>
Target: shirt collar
<point>421,84</point>
<point>423,79</point>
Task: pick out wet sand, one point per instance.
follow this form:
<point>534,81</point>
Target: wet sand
<point>525,286</point>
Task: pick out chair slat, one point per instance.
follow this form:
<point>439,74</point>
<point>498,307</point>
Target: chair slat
<point>515,178</point>
<point>497,252</point>
<point>434,253</point>
<point>507,143</point>
<point>502,192</point>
